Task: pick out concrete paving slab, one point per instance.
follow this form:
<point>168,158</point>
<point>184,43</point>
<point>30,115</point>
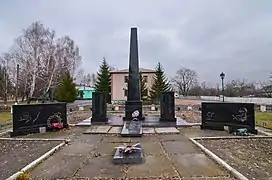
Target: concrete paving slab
<point>153,166</point>
<point>78,148</point>
<point>172,137</point>
<point>189,165</point>
<point>57,166</point>
<point>164,130</point>
<point>87,138</point>
<point>105,148</point>
<point>180,147</point>
<point>147,130</point>
<point>101,167</point>
<point>115,130</point>
<point>152,148</point>
<point>98,130</point>
<point>191,132</point>
<point>118,139</point>
<point>86,122</point>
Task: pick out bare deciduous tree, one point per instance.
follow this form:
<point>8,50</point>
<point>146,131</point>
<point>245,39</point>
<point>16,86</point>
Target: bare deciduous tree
<point>184,80</point>
<point>42,58</point>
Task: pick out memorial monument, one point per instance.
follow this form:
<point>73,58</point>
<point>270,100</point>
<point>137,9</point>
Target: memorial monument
<point>99,108</point>
<point>133,102</point>
<point>128,154</point>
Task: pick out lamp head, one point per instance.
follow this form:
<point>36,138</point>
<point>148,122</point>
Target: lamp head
<point>222,75</point>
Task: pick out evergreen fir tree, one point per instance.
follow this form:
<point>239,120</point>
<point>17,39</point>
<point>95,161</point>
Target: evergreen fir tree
<point>66,91</point>
<point>144,92</point>
<point>103,81</point>
<point>160,83</point>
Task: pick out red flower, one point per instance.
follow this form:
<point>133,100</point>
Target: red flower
<point>57,125</point>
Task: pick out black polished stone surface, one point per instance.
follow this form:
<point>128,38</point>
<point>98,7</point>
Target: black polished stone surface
<point>134,92</point>
<point>133,158</point>
<point>233,115</point>
<point>150,121</point>
<point>130,107</point>
<point>30,117</point>
<point>167,105</point>
<point>99,107</point>
<point>132,129</point>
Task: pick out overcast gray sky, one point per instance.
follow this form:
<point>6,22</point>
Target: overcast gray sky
<point>208,36</point>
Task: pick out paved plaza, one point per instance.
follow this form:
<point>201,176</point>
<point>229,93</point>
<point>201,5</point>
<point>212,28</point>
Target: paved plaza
<point>167,156</point>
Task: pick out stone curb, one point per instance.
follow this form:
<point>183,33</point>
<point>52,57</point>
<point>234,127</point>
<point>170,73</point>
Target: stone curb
<point>231,137</point>
<point>37,161</point>
<point>34,139</point>
<point>233,171</point>
<point>264,132</point>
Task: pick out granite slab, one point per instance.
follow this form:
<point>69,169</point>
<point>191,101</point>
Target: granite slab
<point>133,158</point>
<point>132,129</point>
<point>164,130</point>
<point>148,130</point>
<point>98,130</point>
<point>86,122</point>
<point>115,130</point>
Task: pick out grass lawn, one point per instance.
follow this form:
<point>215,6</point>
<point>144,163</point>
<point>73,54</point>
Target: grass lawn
<point>5,120</point>
<point>263,119</point>
<point>5,117</point>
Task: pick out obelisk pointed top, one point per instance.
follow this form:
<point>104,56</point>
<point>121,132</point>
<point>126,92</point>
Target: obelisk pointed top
<point>134,92</point>
<point>133,102</point>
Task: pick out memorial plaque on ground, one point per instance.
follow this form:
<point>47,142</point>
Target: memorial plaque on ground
<point>30,118</point>
<point>99,108</point>
<point>234,115</point>
<point>132,129</point>
<point>123,157</point>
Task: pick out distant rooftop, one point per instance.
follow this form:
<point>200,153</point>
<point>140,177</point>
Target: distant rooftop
<point>143,70</point>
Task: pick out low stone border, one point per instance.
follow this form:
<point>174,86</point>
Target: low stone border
<point>189,125</point>
<point>217,159</point>
<point>264,132</point>
<point>231,137</point>
<point>34,139</point>
<point>40,159</point>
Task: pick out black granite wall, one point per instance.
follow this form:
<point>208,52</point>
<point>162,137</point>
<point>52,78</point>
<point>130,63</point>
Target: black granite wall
<point>234,115</point>
<point>167,105</point>
<point>29,118</point>
<point>99,107</point>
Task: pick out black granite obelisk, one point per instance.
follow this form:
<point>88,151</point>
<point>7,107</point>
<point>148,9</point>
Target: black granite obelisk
<point>133,102</point>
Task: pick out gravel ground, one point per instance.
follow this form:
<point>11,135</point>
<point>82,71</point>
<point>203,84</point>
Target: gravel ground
<point>78,116</point>
<point>187,102</point>
<point>251,157</point>
<point>17,154</point>
<point>190,116</point>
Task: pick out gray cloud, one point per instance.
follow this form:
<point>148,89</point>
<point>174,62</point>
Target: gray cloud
<point>234,36</point>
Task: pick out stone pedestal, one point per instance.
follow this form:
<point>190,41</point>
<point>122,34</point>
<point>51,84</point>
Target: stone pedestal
<point>168,107</point>
<point>130,107</point>
<point>99,108</point>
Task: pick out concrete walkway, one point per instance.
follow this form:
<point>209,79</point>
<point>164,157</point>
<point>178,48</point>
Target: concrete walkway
<point>89,156</point>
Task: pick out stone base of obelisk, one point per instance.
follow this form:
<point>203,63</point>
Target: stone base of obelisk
<point>130,107</point>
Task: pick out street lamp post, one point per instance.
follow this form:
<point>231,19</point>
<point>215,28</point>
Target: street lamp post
<point>222,75</point>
